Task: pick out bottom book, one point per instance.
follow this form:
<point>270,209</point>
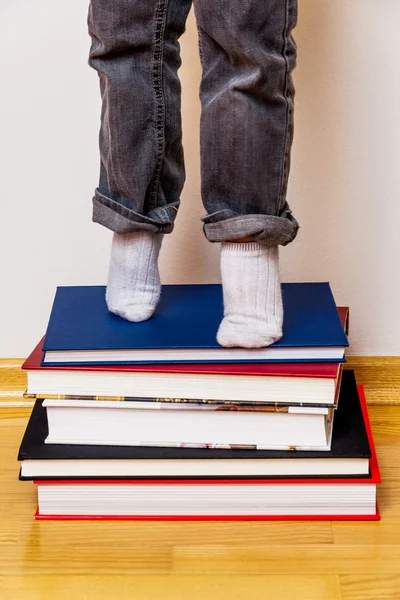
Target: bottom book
<point>197,499</point>
<point>213,499</point>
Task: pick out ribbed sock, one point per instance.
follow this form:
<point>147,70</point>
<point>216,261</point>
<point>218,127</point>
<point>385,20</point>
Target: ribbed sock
<point>133,287</point>
<point>253,310</point>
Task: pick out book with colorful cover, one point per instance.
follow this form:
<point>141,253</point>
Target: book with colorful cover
<point>183,329</point>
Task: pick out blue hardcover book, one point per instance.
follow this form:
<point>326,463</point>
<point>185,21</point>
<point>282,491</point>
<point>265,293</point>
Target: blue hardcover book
<point>183,329</point>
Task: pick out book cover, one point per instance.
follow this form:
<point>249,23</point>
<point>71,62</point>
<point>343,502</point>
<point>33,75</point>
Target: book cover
<point>187,318</point>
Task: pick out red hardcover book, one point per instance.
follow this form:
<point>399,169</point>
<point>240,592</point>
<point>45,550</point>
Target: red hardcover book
<point>373,480</point>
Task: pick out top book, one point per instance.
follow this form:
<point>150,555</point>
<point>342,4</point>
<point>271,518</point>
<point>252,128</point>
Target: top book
<point>183,329</point>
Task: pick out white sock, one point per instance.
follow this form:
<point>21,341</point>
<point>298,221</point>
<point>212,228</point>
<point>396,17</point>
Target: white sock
<point>133,287</point>
<point>253,310</point>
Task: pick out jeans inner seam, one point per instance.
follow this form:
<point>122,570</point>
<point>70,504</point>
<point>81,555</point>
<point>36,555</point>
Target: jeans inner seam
<point>157,80</point>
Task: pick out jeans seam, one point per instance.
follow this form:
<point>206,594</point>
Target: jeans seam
<point>157,81</point>
<point>285,95</point>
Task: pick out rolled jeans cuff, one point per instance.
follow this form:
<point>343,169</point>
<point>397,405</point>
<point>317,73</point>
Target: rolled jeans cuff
<point>225,225</point>
<point>119,218</point>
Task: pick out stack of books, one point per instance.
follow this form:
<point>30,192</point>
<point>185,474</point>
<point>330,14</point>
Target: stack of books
<point>156,420</point>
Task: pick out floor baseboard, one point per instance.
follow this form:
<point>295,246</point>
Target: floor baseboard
<point>379,374</point>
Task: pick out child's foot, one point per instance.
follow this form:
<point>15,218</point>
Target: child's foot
<point>133,287</point>
<point>253,310</point>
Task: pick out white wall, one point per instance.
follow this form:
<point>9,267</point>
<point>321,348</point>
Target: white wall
<point>344,184</point>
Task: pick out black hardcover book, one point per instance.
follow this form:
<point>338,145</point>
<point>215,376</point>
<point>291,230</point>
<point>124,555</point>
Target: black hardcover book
<point>349,440</point>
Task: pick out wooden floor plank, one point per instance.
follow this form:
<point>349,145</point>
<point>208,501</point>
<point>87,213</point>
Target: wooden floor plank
<point>310,560</point>
<point>385,421</point>
<point>170,533</point>
<point>284,587</point>
<point>370,587</point>
<point>385,532</point>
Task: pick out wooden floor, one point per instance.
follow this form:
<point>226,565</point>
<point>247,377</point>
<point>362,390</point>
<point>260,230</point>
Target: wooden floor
<point>214,560</point>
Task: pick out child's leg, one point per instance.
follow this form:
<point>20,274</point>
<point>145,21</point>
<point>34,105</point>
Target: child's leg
<point>247,94</point>
<point>135,52</point>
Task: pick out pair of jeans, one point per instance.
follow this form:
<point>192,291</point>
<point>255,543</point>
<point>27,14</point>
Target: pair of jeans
<point>247,54</point>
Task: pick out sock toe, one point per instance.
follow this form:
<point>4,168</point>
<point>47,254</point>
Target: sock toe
<point>232,334</point>
<point>127,309</point>
<point>136,314</point>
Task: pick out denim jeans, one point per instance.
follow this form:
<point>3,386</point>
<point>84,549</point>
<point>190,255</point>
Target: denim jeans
<point>247,54</point>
